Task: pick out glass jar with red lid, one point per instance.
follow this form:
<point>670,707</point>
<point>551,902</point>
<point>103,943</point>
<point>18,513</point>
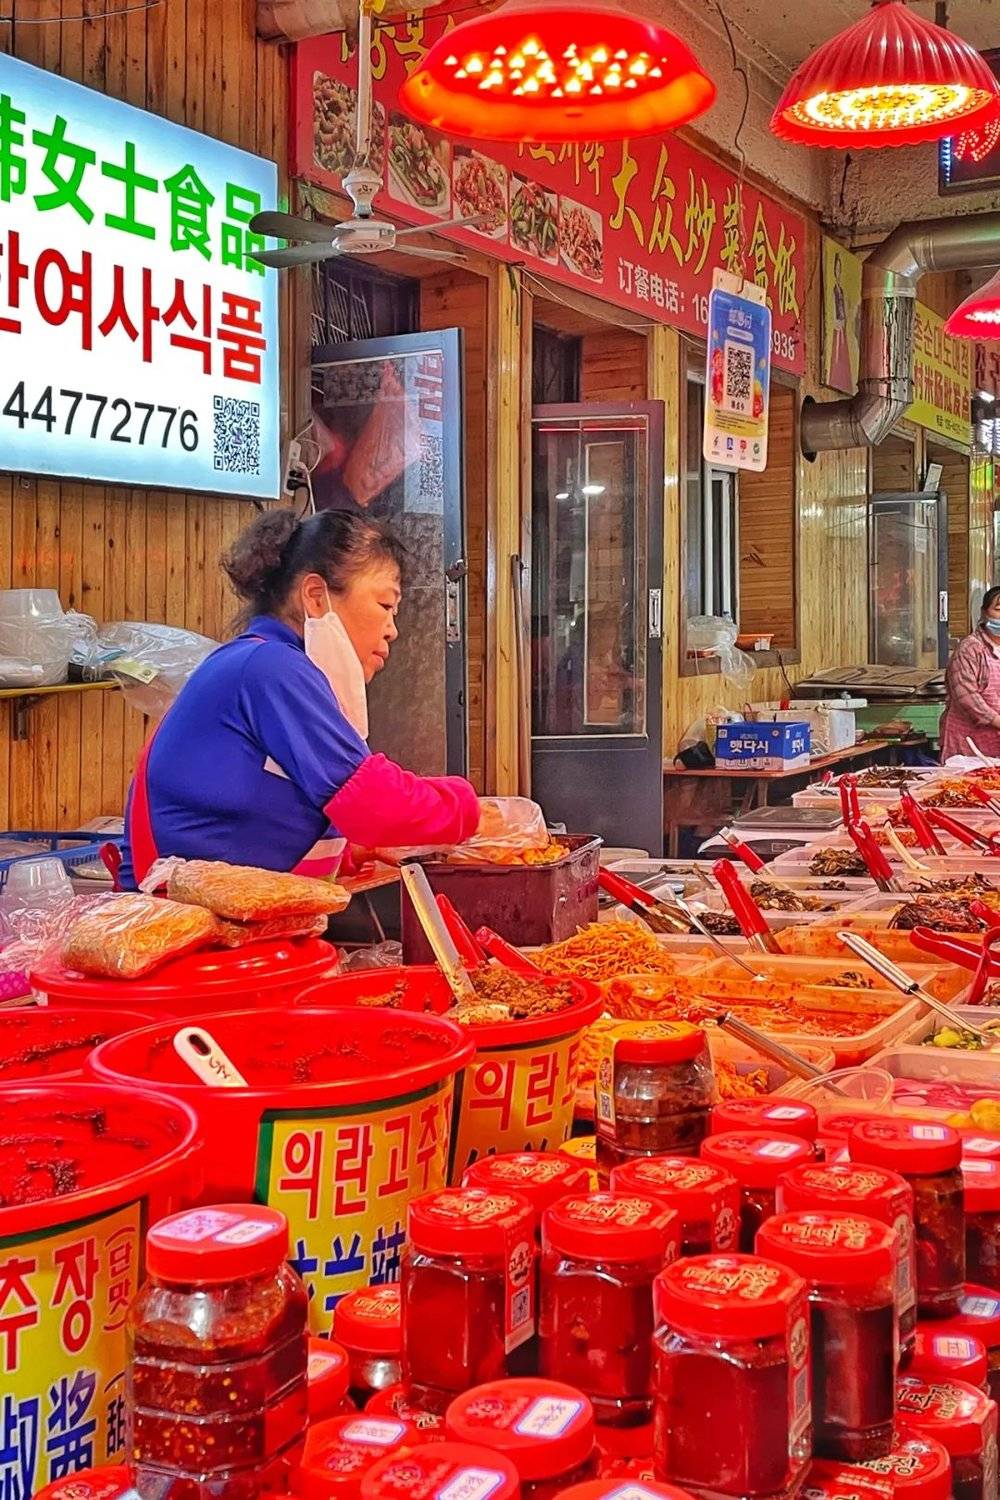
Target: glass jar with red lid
<point>757,1159</point>
<point>787,1116</point>
<point>981,1177</point>
<point>442,1471</point>
<point>368,1323</point>
<point>426,1415</point>
<point>468,1287</point>
<point>600,1254</point>
<point>545,1428</point>
<point>543,1177</point>
<point>614,1489</point>
<point>848,1263</point>
<point>963,1421</point>
<point>327,1373</point>
<point>731,1411</point>
<point>339,1453</point>
<point>941,1355</point>
<point>705,1198</point>
<point>979,1316</point>
<point>655,1090</point>
<point>843,1187</point>
<point>918,1467</point>
<point>625,1452</point>
<point>976,1142</point>
<point>929,1157</point>
<point>217,1355</point>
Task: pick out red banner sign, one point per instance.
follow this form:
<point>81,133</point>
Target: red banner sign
<point>642,223</point>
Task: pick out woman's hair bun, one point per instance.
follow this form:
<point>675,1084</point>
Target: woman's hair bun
<point>253,564</point>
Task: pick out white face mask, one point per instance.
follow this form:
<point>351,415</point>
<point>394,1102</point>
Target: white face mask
<point>329,647</point>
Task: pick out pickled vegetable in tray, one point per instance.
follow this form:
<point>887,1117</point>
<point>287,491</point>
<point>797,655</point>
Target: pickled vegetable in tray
<point>768,1004</point>
<point>603,949</point>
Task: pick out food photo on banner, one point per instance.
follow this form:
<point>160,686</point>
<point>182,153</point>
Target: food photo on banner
<point>138,334</point>
<point>841,316</point>
<point>737,376</point>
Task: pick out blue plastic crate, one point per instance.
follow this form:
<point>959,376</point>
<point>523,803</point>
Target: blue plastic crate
<point>73,849</point>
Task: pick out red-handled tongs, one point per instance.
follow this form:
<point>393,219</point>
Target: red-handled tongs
<point>469,951</point>
<point>983,959</point>
<point>655,913</point>
<point>753,923</point>
<point>850,803</point>
<point>506,954</point>
<point>876,860</point>
<point>743,851</point>
<point>982,795</point>
<point>917,819</point>
<point>970,837</point>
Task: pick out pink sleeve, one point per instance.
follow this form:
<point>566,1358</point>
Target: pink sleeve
<point>382,807</point>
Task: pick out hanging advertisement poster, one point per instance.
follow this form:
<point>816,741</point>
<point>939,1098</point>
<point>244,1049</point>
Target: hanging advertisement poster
<point>738,375</point>
<point>841,317</point>
<point>138,334</point>
<point>943,369</point>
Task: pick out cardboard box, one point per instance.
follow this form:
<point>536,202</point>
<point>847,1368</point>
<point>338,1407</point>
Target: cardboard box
<point>762,746</point>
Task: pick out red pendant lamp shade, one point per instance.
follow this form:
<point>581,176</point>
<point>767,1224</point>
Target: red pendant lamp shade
<point>557,72</point>
<point>978,317</point>
<point>892,79</point>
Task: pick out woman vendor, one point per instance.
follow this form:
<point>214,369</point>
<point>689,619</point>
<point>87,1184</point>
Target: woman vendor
<point>262,759</point>
<point>972,685</point>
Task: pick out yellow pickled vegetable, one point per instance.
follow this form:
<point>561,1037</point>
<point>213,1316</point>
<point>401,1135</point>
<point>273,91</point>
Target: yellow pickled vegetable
<point>986,1114</point>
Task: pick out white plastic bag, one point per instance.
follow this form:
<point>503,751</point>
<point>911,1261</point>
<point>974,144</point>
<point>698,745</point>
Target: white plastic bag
<point>36,638</point>
<point>152,662</point>
<point>715,634</point>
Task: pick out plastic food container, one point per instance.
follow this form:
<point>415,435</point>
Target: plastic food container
<point>327,1374</point>
<point>43,1042</point>
<point>918,1467</point>
<point>262,974</point>
<point>929,1157</point>
<point>981,1176</point>
<point>655,1090</point>
<point>732,1412</point>
<point>963,1421</point>
<point>347,1117</point>
<point>518,1092</point>
<point>875,1193</point>
<point>943,981</point>
<point>468,1288</point>
<point>442,1471</point>
<point>599,1257</point>
<point>543,1177</point>
<point>217,1355</point>
<point>339,1453</point>
<point>368,1323</point>
<point>757,1159</point>
<point>979,1316</point>
<point>705,1198</point>
<point>940,1084</point>
<point>426,1415</point>
<point>544,1428</point>
<point>940,1355</point>
<point>848,1263</point>
<point>84,1169</point>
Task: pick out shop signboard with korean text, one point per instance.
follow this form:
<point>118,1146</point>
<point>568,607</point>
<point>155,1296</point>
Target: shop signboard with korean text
<point>737,376</point>
<point>942,379</point>
<point>138,335</point>
<point>641,224</point>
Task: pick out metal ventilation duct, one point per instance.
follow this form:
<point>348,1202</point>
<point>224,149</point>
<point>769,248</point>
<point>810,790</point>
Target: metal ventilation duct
<point>889,291</point>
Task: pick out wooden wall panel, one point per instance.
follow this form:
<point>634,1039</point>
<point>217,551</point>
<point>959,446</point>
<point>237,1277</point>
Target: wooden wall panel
<point>119,553</point>
<point>767,527</point>
<point>956,486</point>
<point>613,366</point>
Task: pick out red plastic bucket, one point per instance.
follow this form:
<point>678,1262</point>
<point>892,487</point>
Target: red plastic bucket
<point>347,1117</point>
<point>518,1093</point>
<point>272,973</point>
<point>84,1170</point>
<point>39,1041</point>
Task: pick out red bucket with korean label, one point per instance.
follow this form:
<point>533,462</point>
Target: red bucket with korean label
<point>346,1116</point>
<point>45,1042</point>
<point>517,1094</point>
<point>84,1171</point>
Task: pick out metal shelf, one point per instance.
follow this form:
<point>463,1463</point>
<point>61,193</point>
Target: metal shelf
<point>23,699</point>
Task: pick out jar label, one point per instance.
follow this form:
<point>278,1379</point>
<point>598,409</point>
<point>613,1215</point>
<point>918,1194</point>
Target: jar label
<point>470,1484</point>
<point>375,1431</point>
<point>778,1150</point>
<point>548,1417</point>
<point>205,1224</point>
<point>979,1307</point>
<point>631,1492</point>
<point>799,1378</point>
<point>519,1298</point>
<point>516,1099</point>
<point>981,1145</point>
<point>318,1364</point>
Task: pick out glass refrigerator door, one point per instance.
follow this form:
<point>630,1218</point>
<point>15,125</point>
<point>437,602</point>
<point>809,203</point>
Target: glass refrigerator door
<point>909,580</point>
<point>389,417</point>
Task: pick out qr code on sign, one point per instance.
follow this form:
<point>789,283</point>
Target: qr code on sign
<point>739,379</point>
<point>237,435</point>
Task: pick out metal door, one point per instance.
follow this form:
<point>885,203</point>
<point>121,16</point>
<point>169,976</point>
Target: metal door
<point>908,578</point>
<point>597,619</point>
<point>389,412</point>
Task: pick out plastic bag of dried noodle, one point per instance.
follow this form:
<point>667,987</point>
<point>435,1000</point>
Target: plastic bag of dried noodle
<point>127,937</point>
<point>243,893</point>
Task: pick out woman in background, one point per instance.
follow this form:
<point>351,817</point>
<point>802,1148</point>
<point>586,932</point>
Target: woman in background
<point>972,686</point>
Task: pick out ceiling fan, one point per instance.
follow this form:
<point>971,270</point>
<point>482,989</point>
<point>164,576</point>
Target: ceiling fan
<point>362,233</point>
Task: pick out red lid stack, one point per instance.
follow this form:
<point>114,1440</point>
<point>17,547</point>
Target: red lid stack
<point>396,1401</point>
<point>339,1453</point>
<point>787,1116</point>
<point>913,1148</point>
<point>328,1374</point>
<point>948,1356</point>
<point>978,1315</point>
<point>699,1192</point>
<point>756,1158</point>
<point>612,1227</point>
<point>543,1177</point>
<point>981,1179</point>
<point>438,1469</point>
<point>828,1480</point>
<point>830,1249</point>
<point>962,1419</point>
<point>918,1466</point>
<point>369,1319</point>
<point>728,1296</point>
<point>544,1427</point>
<point>210,1246</point>
<point>469,1221</point>
<point>658,1042</point>
<point>107,1483</point>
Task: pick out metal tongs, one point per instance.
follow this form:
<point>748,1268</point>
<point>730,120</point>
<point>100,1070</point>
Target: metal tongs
<point>446,955</point>
<point>901,981</point>
<point>917,819</point>
<point>768,1047</point>
<point>662,916</point>
<point>971,837</point>
<point>984,960</point>
<point>753,923</point>
<point>876,861</point>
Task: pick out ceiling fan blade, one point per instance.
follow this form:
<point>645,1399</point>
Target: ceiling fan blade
<point>291,227</point>
<point>447,224</point>
<point>451,255</point>
<point>296,255</point>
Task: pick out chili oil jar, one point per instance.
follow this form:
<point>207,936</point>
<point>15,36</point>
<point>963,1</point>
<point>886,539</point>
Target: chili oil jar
<point>929,1157</point>
<point>843,1187</point>
<point>757,1159</point>
<point>467,1287</point>
<point>918,1467</point>
<point>848,1263</point>
<point>217,1356</point>
<point>600,1254</point>
<point>327,1376</point>
<point>731,1411</point>
<point>338,1454</point>
<point>368,1324</point>
<point>786,1116</point>
<point>442,1471</point>
<point>941,1355</point>
<point>963,1421</point>
<point>979,1315</point>
<point>705,1198</point>
<point>399,1401</point>
<point>543,1177</point>
<point>545,1428</point>
<point>981,1177</point>
<point>655,1090</point>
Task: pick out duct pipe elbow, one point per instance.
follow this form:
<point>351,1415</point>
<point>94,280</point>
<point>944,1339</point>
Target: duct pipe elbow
<point>861,421</point>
